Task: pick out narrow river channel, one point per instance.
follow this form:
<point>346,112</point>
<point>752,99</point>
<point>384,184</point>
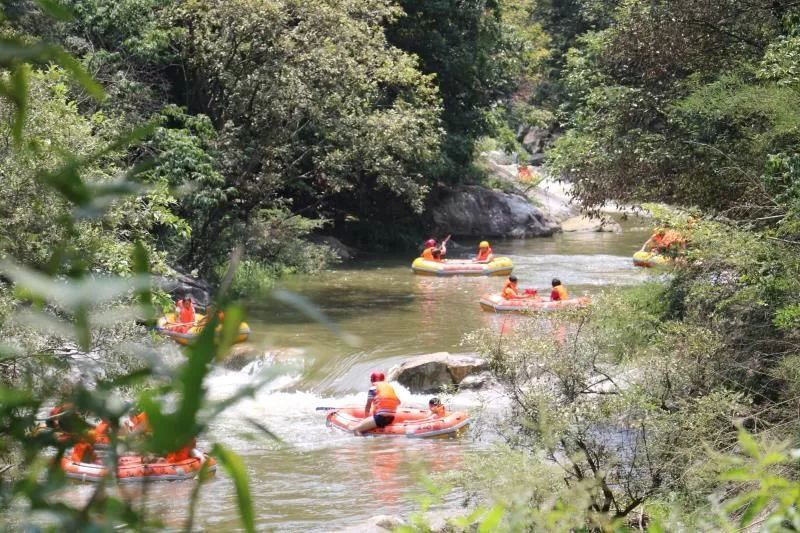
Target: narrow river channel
<point>322,480</point>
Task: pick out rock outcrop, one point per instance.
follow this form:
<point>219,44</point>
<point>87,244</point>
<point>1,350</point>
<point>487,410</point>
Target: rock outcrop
<point>586,224</point>
<point>249,358</point>
<point>344,252</point>
<point>428,373</point>
<point>180,285</point>
<point>475,211</point>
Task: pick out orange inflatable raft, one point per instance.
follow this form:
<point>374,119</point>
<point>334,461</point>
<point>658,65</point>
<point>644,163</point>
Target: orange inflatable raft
<point>497,304</point>
<point>408,422</point>
<point>133,468</point>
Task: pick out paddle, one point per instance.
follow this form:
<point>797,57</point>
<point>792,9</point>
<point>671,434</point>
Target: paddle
<point>326,408</point>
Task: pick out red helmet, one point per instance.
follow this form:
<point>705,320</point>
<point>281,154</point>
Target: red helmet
<point>376,376</point>
<point>430,242</point>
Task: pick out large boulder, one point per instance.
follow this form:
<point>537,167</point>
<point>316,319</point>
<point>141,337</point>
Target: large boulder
<point>475,211</point>
<point>250,358</point>
<point>428,373</point>
<point>344,252</point>
<point>586,224</point>
<point>179,285</point>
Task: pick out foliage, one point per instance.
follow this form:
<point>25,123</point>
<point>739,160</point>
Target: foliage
<point>348,123</point>
<point>682,103</point>
<point>74,295</point>
<point>478,50</point>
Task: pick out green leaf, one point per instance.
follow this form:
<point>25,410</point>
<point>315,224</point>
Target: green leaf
<point>491,521</point>
<point>234,466</point>
<point>141,265</point>
<point>18,93</point>
<point>78,72</point>
<point>56,9</point>
<point>752,510</point>
<point>748,444</point>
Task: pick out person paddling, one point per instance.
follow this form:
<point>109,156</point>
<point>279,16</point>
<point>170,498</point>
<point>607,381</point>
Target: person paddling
<point>382,403</point>
<point>511,290</point>
<point>432,252</point>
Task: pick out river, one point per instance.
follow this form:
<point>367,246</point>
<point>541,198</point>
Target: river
<point>317,479</point>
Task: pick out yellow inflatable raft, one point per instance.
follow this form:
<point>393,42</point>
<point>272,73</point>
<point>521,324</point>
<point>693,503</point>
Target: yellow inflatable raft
<point>499,266</point>
<point>649,259</point>
<point>185,333</point>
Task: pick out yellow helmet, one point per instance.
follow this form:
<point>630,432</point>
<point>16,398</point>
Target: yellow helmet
<point>483,244</point>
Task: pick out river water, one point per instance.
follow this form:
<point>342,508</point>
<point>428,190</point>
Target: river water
<point>318,479</point>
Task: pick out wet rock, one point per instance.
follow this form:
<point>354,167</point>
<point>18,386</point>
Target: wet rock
<point>475,211</point>
<point>537,141</point>
<point>428,373</point>
<point>345,253</point>
<point>586,224</point>
<point>179,285</point>
<point>480,381</point>
<point>249,358</point>
<point>240,355</point>
<point>377,524</point>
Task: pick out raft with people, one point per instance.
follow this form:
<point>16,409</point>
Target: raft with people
<point>184,333</point>
<point>136,468</point>
<point>650,259</point>
<point>497,304</point>
<point>408,422</point>
<point>499,266</point>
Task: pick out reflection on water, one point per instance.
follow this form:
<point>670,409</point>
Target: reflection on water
<point>320,479</point>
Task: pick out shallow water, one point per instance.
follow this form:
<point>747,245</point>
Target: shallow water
<point>319,479</point>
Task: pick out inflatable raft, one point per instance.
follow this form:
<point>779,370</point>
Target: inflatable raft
<point>649,259</point>
<point>408,422</point>
<point>133,468</point>
<point>185,333</point>
<point>500,266</point>
<point>497,304</point>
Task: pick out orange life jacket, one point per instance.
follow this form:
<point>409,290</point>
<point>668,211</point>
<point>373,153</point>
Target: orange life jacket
<point>484,254</point>
<point>386,400</point>
<point>437,410</point>
<point>182,454</point>
<point>139,421</point>
<point>83,452</point>
<point>100,432</point>
<point>559,293</point>
<point>427,253</point>
<point>187,313</point>
<point>509,292</point>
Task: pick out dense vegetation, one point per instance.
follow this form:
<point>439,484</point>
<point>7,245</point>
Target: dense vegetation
<point>143,136</point>
<point>635,414</point>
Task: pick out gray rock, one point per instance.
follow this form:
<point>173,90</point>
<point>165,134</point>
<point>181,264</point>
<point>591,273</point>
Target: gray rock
<point>535,140</point>
<point>428,373</point>
<point>179,285</point>
<point>474,211</point>
<point>250,359</point>
<point>376,524</point>
<point>482,380</point>
<point>586,224</point>
<point>345,253</point>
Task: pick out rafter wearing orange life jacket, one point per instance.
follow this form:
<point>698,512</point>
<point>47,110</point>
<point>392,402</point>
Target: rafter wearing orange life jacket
<point>485,254</point>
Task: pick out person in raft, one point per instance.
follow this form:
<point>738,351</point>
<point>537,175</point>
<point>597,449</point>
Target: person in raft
<point>431,252</point>
<point>664,241</point>
<point>382,403</point>
<point>512,292</point>
<point>484,253</point>
<point>137,423</point>
<point>186,314</point>
<point>436,407</point>
<point>559,293</point>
